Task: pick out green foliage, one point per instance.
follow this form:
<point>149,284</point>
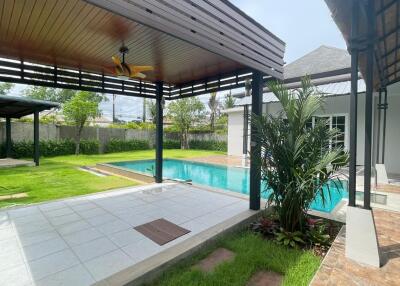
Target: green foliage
<point>297,162</point>
<point>229,101</point>
<point>208,145</point>
<point>49,93</point>
<point>184,113</point>
<point>152,109</point>
<point>214,105</point>
<point>317,234</point>
<point>5,87</point>
<point>171,144</point>
<point>291,239</point>
<point>50,148</point>
<point>118,145</point>
<point>81,108</point>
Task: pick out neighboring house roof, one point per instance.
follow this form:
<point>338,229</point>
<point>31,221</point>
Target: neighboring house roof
<point>323,59</point>
<point>330,89</point>
<point>328,67</point>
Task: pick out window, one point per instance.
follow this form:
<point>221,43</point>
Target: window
<point>334,121</point>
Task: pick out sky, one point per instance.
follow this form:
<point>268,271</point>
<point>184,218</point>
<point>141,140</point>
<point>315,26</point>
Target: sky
<point>303,25</point>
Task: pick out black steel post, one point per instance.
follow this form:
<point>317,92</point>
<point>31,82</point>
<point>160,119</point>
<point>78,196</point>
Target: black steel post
<point>8,137</point>
<point>378,135</point>
<point>255,151</point>
<point>369,77</point>
<point>245,128</point>
<point>385,104</point>
<point>159,132</point>
<point>354,49</point>
<point>36,152</point>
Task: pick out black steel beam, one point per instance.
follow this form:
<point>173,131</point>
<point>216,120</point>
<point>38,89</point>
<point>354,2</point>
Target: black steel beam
<point>354,49</point>
<point>255,151</point>
<point>378,135</point>
<point>8,137</point>
<point>245,128</point>
<point>159,132</point>
<point>36,151</point>
<point>369,78</point>
<point>385,103</point>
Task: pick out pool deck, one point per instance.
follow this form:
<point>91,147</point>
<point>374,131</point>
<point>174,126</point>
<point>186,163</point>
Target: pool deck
<point>90,239</point>
<point>336,269</point>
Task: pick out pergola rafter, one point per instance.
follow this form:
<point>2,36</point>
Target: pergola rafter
<point>195,46</point>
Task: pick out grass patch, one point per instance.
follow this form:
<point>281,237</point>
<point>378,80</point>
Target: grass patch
<point>253,253</point>
<point>58,177</point>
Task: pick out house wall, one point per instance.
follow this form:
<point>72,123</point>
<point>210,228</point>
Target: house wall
<point>235,133</point>
<point>338,105</point>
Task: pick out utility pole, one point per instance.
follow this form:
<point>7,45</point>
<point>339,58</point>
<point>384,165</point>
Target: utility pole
<point>113,109</point>
<point>144,110</point>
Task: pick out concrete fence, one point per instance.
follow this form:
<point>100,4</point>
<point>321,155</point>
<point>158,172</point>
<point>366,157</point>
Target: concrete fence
<point>21,131</point>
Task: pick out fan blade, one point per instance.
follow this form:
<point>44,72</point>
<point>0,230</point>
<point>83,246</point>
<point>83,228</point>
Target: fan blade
<point>138,75</point>
<point>116,60</point>
<point>138,69</point>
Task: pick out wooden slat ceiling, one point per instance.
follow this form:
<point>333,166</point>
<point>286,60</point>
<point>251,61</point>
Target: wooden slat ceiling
<point>387,44</point>
<point>77,34</point>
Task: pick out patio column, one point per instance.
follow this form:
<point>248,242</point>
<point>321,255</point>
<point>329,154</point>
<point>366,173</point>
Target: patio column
<point>354,50</point>
<point>159,132</point>
<point>369,79</point>
<point>8,137</point>
<point>245,129</point>
<point>255,152</point>
<point>385,107</point>
<point>36,151</point>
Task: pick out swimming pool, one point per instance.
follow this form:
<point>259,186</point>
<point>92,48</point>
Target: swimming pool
<point>234,179</point>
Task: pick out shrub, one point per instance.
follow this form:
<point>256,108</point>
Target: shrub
<point>118,145</point>
<point>172,144</point>
<point>89,147</point>
<point>50,148</point>
<point>208,145</point>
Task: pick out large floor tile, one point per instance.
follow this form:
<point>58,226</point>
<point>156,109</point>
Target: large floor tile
<point>108,264</point>
<point>82,236</point>
<point>52,264</point>
<point>126,237</point>
<point>44,248</point>
<point>16,276</point>
<point>142,249</point>
<point>94,248</point>
<point>75,276</point>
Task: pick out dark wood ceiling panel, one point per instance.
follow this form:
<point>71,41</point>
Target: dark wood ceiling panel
<point>76,34</point>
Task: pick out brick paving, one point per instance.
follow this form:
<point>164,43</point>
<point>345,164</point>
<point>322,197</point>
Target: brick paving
<point>337,270</point>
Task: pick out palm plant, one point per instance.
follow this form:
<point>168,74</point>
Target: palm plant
<point>297,160</point>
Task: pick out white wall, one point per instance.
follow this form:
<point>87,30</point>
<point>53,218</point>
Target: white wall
<point>235,132</point>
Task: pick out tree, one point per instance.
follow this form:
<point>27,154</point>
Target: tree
<point>184,113</point>
<point>5,87</point>
<point>229,101</point>
<point>81,108</point>
<point>213,104</point>
<point>49,93</point>
<point>152,108</point>
<point>297,160</point>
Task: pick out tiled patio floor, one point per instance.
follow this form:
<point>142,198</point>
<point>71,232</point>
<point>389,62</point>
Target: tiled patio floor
<point>80,241</point>
<point>337,270</point>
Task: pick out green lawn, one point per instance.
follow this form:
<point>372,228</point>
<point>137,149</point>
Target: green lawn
<point>59,177</point>
<point>252,254</point>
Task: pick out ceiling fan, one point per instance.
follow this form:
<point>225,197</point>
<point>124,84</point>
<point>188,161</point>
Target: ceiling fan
<point>125,71</point>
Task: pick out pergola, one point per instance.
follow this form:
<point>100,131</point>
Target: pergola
<point>371,29</point>
<point>196,47</point>
<point>17,107</point>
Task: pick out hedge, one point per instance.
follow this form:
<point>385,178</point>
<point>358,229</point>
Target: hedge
<point>51,148</point>
<point>118,145</point>
<point>208,145</point>
<point>172,144</point>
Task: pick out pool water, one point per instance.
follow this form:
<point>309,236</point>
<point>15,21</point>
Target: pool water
<point>234,179</point>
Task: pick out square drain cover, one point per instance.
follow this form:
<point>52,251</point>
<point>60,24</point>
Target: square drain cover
<point>161,231</point>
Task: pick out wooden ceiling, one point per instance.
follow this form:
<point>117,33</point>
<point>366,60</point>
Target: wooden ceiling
<point>76,34</point>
